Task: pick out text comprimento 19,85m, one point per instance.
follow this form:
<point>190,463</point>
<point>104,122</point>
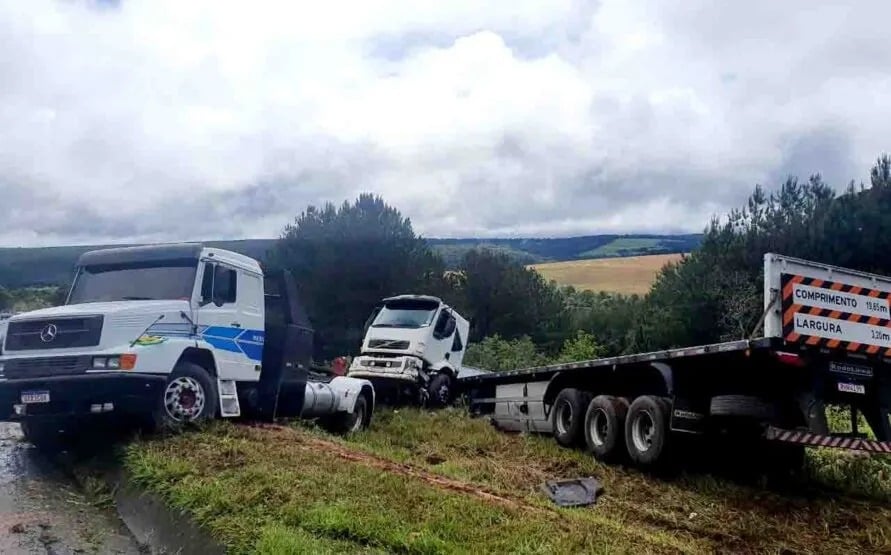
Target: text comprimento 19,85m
<point>851,303</point>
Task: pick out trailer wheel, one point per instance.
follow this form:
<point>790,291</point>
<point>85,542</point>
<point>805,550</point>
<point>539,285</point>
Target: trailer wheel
<point>569,416</point>
<point>345,423</point>
<point>605,427</point>
<point>741,405</point>
<point>646,430</point>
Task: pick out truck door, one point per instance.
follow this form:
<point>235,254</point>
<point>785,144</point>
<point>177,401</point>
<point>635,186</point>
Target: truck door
<point>231,320</point>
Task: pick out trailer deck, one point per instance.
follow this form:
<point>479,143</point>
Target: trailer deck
<point>547,372</point>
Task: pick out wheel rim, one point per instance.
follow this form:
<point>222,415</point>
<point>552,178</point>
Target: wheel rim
<point>643,429</point>
<point>598,428</point>
<point>564,417</point>
<point>184,399</point>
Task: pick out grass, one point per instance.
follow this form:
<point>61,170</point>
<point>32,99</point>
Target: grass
<point>629,275</point>
<point>440,482</point>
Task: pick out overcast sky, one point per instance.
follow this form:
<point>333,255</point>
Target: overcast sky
<point>179,120</point>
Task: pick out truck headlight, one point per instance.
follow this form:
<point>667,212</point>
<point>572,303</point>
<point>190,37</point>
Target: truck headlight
<point>115,362</point>
<point>412,364</point>
<point>2,368</point>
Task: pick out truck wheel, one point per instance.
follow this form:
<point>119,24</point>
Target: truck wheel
<point>441,391</point>
<point>741,405</point>
<point>569,416</point>
<point>646,430</point>
<point>345,423</point>
<point>46,436</point>
<point>605,427</point>
<point>189,396</point>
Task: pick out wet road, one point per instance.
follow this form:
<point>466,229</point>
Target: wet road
<point>42,511</point>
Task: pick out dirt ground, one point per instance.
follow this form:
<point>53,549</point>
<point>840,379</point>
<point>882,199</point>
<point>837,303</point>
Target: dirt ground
<point>43,512</point>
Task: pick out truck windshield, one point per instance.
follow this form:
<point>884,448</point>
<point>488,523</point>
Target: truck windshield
<point>134,282</point>
<point>406,314</point>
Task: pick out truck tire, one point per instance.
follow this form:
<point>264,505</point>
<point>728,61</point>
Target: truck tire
<point>647,431</point>
<point>741,405</point>
<point>46,436</point>
<point>190,396</point>
<point>345,423</point>
<point>440,391</point>
<point>569,417</point>
<point>605,427</point>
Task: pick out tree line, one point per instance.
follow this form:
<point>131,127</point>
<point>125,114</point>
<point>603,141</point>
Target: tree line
<point>348,257</point>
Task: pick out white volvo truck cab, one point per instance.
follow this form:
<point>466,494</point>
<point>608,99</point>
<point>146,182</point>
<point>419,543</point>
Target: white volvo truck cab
<point>170,334</point>
<point>413,348</point>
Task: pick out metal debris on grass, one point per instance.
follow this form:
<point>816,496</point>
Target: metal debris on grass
<point>574,492</point>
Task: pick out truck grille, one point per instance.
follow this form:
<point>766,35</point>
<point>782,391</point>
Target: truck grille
<point>45,366</point>
<point>387,344</point>
<point>54,333</point>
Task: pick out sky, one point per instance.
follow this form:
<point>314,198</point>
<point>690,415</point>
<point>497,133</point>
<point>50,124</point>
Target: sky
<point>163,120</point>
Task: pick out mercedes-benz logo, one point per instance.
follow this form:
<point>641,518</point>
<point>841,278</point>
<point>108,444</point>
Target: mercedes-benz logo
<point>48,333</point>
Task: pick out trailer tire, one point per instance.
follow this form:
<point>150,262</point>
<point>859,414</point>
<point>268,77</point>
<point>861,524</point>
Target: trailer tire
<point>174,411</point>
<point>345,423</point>
<point>604,429</point>
<point>647,430</point>
<point>742,405</point>
<point>569,417</point>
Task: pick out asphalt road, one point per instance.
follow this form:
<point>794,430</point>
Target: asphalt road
<point>42,511</point>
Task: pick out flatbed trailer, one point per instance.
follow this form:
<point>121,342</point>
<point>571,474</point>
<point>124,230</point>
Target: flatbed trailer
<point>827,341</point>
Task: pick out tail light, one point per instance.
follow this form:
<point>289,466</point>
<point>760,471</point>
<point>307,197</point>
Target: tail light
<point>792,359</point>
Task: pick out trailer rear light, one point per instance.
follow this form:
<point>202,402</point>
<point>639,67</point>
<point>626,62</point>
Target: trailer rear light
<point>791,359</point>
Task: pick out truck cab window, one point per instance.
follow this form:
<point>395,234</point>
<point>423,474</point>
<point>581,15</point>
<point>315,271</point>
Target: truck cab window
<point>219,285</point>
<point>457,344</point>
<point>445,325</point>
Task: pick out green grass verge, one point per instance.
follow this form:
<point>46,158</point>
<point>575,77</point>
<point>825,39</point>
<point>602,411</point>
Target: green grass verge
<point>421,482</point>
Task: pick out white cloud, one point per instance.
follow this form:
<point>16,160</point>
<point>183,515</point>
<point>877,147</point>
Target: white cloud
<point>155,119</point>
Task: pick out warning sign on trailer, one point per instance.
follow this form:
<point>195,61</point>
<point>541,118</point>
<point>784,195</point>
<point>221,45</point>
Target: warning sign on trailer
<point>836,315</point>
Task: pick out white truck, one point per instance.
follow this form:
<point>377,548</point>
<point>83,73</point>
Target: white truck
<point>170,334</point>
<point>413,348</point>
<point>826,341</point>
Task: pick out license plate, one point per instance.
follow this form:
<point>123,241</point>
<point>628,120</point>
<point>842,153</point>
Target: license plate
<point>35,397</point>
<point>852,388</point>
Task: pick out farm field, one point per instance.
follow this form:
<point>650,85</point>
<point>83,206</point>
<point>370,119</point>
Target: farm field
<point>628,275</point>
<point>441,482</point>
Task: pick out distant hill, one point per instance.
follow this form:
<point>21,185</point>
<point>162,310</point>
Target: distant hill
<point>22,267</point>
<point>537,251</point>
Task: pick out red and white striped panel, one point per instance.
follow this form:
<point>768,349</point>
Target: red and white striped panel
<point>817,440</point>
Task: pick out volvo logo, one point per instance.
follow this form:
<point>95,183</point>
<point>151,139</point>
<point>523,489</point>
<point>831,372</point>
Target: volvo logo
<point>48,333</point>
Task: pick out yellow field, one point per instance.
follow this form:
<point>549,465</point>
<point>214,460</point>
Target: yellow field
<point>633,274</point>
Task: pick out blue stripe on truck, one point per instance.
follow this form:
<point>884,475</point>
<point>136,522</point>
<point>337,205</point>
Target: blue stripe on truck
<point>225,338</point>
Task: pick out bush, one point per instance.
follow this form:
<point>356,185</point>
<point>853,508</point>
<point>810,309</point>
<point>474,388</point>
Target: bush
<point>497,354</point>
